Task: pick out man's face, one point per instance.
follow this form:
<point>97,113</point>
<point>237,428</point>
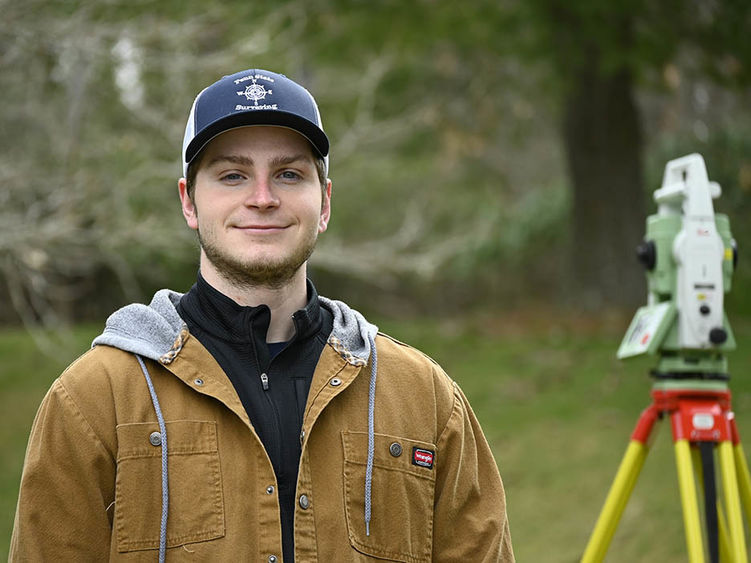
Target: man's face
<point>258,205</point>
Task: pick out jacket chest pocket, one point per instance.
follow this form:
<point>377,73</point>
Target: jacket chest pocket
<point>196,504</point>
<point>401,526</point>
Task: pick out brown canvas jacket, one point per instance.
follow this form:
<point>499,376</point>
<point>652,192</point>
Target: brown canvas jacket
<point>92,481</point>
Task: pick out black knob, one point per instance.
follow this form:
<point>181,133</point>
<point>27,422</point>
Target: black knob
<point>704,309</point>
<point>646,252</point>
<point>718,336</point>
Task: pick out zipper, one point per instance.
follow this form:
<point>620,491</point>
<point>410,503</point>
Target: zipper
<point>264,376</point>
<point>275,435</point>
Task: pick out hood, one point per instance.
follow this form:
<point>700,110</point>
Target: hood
<point>151,330</point>
<point>147,330</point>
<point>353,334</point>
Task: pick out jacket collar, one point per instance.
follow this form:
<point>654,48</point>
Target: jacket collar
<point>225,319</point>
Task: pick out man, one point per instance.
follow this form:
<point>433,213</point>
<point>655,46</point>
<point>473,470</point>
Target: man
<point>251,419</point>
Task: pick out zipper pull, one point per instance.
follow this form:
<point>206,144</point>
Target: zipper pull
<point>265,381</point>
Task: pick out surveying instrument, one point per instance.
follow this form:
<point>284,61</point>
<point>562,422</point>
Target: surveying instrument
<point>689,255</point>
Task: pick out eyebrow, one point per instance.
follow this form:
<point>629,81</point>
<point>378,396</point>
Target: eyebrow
<point>235,159</point>
<point>282,160</point>
<point>247,161</point>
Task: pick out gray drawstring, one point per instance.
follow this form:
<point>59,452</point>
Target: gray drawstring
<point>165,479</point>
<point>371,433</point>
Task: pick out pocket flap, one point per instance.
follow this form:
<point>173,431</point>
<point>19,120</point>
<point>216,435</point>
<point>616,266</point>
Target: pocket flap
<point>183,437</point>
<point>391,452</point>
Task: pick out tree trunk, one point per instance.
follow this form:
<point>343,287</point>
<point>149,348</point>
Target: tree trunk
<point>603,150</point>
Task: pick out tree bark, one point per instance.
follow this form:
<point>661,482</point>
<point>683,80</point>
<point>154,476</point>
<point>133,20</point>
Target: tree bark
<point>603,147</point>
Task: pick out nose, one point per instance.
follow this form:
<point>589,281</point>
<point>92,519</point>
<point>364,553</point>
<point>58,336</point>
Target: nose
<point>261,195</point>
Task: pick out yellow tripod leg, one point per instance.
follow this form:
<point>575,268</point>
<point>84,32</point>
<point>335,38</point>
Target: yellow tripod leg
<point>623,484</point>
<point>744,480</point>
<point>725,547</point>
<point>690,505</point>
<point>732,501</point>
<point>722,525</point>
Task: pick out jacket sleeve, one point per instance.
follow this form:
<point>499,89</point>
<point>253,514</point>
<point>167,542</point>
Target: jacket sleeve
<point>470,521</point>
<point>67,486</point>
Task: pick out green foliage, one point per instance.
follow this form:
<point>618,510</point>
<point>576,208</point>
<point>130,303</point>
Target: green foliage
<point>640,35</point>
<point>443,117</point>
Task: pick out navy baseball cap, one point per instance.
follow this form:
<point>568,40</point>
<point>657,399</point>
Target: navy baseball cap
<point>252,97</point>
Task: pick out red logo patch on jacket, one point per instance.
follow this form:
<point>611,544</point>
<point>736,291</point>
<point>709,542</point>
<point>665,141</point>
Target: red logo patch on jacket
<point>423,458</point>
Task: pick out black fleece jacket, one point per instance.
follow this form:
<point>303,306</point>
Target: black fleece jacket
<point>273,386</point>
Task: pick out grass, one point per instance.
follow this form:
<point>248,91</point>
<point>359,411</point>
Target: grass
<point>558,410</point>
<point>25,376</point>
<point>555,404</point>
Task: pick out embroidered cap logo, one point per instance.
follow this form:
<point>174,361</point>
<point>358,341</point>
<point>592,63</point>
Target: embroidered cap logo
<point>254,91</point>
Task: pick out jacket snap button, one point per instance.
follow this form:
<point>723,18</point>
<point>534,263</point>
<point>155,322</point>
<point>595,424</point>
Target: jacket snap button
<point>270,490</point>
<point>304,502</point>
<point>155,438</point>
<point>395,449</point>
<point>198,382</point>
<point>272,558</point>
<point>336,382</point>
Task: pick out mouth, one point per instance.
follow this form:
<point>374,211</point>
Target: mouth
<point>260,229</point>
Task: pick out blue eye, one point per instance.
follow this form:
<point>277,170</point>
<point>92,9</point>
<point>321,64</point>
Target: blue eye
<point>289,175</point>
<point>232,177</point>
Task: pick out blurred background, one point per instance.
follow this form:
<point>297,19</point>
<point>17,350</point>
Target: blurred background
<point>493,165</point>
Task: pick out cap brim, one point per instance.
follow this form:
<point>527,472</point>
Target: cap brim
<point>310,131</point>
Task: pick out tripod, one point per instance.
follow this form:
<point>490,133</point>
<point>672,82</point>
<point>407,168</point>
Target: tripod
<point>702,422</point>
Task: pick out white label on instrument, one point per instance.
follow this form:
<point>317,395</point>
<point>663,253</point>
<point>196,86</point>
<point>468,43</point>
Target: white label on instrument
<point>703,421</point>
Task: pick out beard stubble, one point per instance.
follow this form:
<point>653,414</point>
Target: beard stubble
<point>272,273</point>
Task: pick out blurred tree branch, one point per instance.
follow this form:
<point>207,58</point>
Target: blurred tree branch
<point>443,120</point>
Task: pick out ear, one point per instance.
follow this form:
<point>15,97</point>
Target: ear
<point>323,222</point>
<point>189,208</point>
